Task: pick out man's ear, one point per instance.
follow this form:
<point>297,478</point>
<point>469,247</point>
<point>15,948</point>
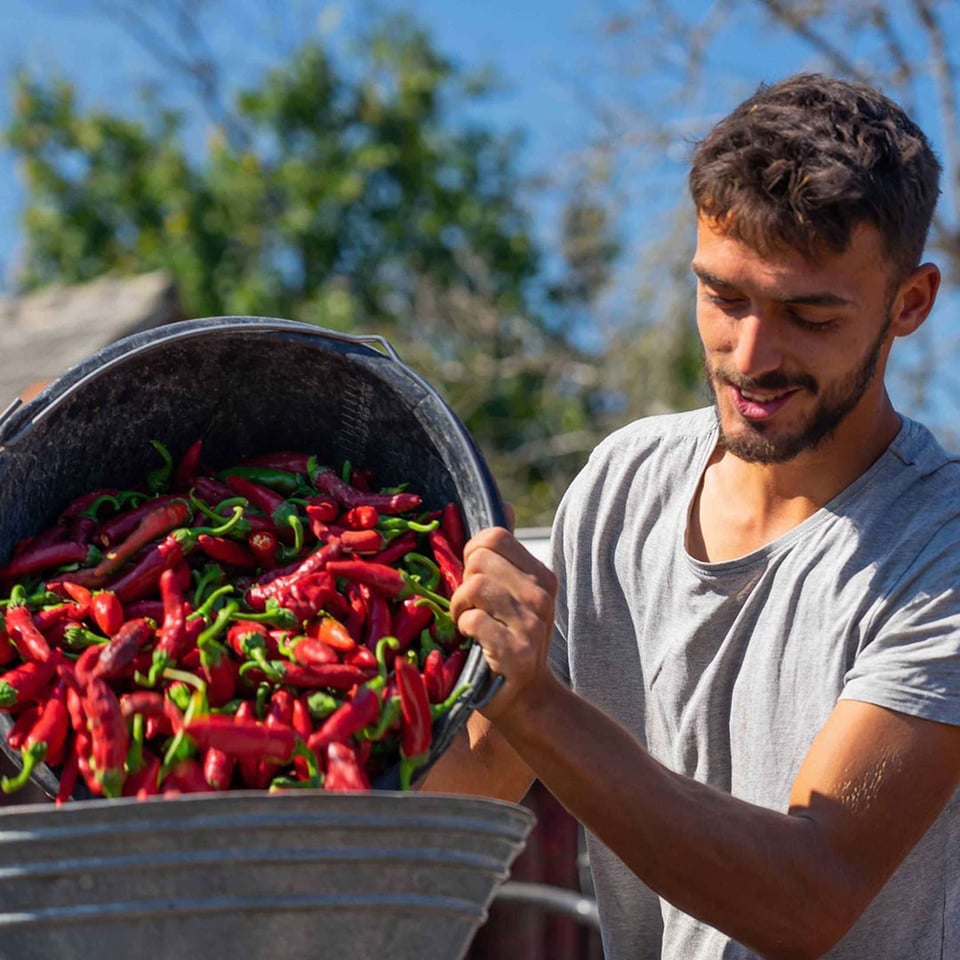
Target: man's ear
<point>914,300</point>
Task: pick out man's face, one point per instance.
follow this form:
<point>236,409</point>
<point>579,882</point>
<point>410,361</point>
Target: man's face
<point>794,351</point>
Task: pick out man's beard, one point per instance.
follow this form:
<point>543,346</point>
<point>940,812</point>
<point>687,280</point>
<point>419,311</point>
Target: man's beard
<point>755,446</point>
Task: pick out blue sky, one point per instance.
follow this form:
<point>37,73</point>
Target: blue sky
<point>550,54</point>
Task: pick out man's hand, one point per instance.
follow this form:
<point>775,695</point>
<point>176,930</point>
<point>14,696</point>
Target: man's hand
<point>506,603</point>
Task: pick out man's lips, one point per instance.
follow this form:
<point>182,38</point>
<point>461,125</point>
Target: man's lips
<point>759,404</point>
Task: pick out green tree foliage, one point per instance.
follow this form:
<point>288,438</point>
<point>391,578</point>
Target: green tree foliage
<point>353,196</point>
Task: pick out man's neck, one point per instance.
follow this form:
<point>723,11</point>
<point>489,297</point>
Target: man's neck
<point>741,506</point>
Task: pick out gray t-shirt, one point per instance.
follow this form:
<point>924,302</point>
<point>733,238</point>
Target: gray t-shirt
<point>726,671</point>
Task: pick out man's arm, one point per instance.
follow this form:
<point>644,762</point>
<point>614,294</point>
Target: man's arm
<point>786,884</point>
<point>480,762</point>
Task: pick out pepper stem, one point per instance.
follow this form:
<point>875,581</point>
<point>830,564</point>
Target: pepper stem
<point>32,755</point>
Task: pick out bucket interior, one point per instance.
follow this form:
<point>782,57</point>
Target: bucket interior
<point>244,386</point>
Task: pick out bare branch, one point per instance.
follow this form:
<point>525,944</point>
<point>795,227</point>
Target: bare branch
<point>189,58</point>
<point>800,24</point>
<point>946,76</point>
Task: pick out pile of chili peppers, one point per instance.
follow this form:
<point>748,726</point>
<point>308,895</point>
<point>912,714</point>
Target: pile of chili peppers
<point>275,624</point>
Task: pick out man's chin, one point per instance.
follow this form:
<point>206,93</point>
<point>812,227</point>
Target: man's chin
<point>760,443</point>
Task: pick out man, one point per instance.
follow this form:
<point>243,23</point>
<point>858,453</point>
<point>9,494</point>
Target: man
<point>752,696</point>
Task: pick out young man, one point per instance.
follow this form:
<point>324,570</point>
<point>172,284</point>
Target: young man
<point>752,695</point>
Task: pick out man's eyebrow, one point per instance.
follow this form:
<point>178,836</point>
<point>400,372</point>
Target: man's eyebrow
<point>824,299</point>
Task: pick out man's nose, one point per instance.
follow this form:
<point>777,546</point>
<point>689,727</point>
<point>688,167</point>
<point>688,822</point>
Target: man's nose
<point>758,349</point>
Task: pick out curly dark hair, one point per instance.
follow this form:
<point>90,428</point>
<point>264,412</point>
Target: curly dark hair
<point>803,162</point>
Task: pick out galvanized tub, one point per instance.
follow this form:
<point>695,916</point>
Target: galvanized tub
<point>293,876</point>
<point>244,385</point>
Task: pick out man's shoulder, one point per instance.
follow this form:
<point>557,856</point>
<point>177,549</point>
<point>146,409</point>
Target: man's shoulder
<point>667,429</point>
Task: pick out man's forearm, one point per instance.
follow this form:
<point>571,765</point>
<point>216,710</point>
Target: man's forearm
<point>758,875</point>
<point>480,763</point>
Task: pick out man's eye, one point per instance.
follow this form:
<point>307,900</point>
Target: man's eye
<point>818,326</point>
<point>726,303</point>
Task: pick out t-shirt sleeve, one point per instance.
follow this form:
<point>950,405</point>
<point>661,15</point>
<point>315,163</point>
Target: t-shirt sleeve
<point>910,661</point>
<point>559,657</point>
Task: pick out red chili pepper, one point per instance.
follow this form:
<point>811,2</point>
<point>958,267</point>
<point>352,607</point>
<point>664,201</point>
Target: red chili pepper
<point>68,775</point>
<point>451,566</point>
<point>84,746</point>
<point>417,720</point>
<point>362,657</point>
<point>279,714</point>
<point>387,581</point>
<point>321,510</point>
<point>8,652</point>
<point>356,614</point>
<point>287,460</point>
<point>249,767</point>
<point>172,639</point>
<point>78,719</point>
<point>367,542</point>
<point>265,548</point>
<point>45,741</point>
<point>85,501</point>
<point>185,776</point>
<point>221,672</point>
<point>344,771</point>
<point>47,618</point>
<point>338,676</point>
<point>151,609</point>
<point>107,611</point>
<point>118,656</point>
<point>349,496</point>
<point>187,468</point>
<point>452,667</point>
<point>279,587</point>
<point>243,739</point>
<point>224,550</point>
<point>163,518</point>
<point>77,592</point>
<point>451,526</point>
<point>364,516</point>
<point>144,782</point>
<point>350,718</point>
<point>83,530</point>
<point>310,652</point>
<point>396,550</point>
<point>353,541</point>
<point>433,675</point>
<point>308,596</point>
<point>302,723</point>
<point>413,617</point>
<point>149,703</point>
<point>142,578</point>
<point>283,514</point>
<point>218,767</point>
<point>22,726</point>
<point>29,641</point>
<point>48,557</point>
<point>123,524</point>
<point>379,620</point>
<point>85,665</point>
<point>212,491</point>
<point>108,730</point>
<point>332,632</point>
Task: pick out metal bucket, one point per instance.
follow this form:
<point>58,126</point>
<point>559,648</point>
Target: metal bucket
<point>244,385</point>
<point>292,876</point>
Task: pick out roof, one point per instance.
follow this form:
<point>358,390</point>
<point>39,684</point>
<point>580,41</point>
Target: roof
<point>45,333</point>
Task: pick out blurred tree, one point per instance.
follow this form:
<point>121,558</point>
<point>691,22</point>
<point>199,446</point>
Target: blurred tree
<point>353,195</point>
